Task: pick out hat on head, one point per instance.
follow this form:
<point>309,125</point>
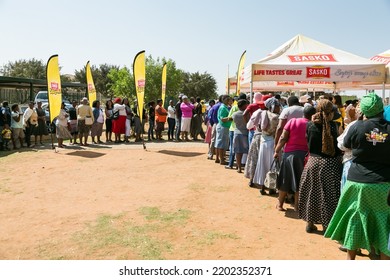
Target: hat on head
<point>371,105</point>
<point>264,98</point>
<point>117,100</point>
<point>304,98</point>
<point>184,97</point>
<point>84,99</point>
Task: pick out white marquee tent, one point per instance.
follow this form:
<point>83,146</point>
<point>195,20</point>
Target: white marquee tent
<point>316,65</point>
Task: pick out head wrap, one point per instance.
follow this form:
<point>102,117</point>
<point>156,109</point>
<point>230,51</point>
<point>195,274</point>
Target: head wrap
<point>263,99</point>
<point>323,117</point>
<point>371,105</point>
<point>117,100</point>
<point>270,103</point>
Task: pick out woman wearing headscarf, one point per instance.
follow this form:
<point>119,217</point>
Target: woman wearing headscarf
<point>269,123</point>
<point>319,188</point>
<point>362,217</point>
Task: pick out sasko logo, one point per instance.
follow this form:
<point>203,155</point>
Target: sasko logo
<point>312,57</point>
<point>317,72</point>
<point>54,86</point>
<point>141,83</point>
<point>91,87</point>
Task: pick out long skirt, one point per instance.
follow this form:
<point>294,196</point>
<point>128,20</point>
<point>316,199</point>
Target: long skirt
<point>97,129</point>
<point>362,217</point>
<point>291,170</point>
<point>207,139</point>
<point>319,189</point>
<point>62,132</point>
<point>253,156</point>
<point>119,125</point>
<point>266,156</point>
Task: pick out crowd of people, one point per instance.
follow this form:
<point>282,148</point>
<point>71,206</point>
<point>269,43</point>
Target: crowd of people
<point>333,160</point>
<point>332,157</point>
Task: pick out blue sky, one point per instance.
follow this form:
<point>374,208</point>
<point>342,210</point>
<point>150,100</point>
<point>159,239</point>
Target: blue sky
<point>198,35</point>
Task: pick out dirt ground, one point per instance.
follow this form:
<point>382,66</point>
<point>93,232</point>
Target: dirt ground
<point>123,202</point>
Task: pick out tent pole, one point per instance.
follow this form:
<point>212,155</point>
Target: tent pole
<point>250,93</point>
<point>383,92</point>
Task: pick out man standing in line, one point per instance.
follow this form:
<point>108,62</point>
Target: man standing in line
<point>161,118</point>
<point>178,118</point>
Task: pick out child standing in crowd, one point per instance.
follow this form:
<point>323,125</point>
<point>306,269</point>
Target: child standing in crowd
<point>6,134</point>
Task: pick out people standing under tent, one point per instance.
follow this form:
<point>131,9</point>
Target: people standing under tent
<point>41,128</point>
<point>62,131</point>
<point>231,131</point>
<point>30,120</point>
<point>213,122</point>
<point>361,219</point>
<point>119,124</point>
<point>240,137</point>
<point>171,121</point>
<point>294,144</point>
<point>222,131</point>
<point>129,115</point>
<point>84,111</point>
<point>269,122</point>
<point>17,126</point>
<point>108,110</point>
<point>97,126</point>
<point>73,122</point>
<point>186,110</point>
<point>319,188</point>
<point>152,120</point>
<point>161,117</point>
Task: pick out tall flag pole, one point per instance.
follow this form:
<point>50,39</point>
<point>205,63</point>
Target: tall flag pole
<point>139,80</point>
<point>54,90</point>
<point>164,83</point>
<point>90,84</point>
<point>239,72</point>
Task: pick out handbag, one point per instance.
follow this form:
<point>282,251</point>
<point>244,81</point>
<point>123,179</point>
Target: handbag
<point>115,115</point>
<point>272,175</point>
<point>88,120</point>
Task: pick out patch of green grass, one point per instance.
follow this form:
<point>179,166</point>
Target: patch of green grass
<point>210,237</point>
<point>109,232</point>
<point>154,214</point>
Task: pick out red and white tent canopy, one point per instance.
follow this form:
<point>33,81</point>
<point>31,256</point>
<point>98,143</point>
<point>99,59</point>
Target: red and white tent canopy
<point>385,59</point>
<point>305,60</point>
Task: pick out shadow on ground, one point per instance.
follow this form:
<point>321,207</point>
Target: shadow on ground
<point>180,154</point>
<point>86,154</point>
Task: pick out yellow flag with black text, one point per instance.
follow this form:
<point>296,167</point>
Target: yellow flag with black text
<point>239,72</point>
<point>164,83</point>
<point>53,86</point>
<point>90,85</point>
<point>139,79</point>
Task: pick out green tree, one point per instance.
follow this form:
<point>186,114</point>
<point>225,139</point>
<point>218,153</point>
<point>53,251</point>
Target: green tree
<point>199,85</point>
<point>32,69</point>
<point>100,78</point>
<point>122,84</point>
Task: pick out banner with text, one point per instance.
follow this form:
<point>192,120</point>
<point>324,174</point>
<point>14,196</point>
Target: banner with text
<point>239,72</point>
<point>164,83</point>
<point>53,86</point>
<point>139,79</point>
<point>90,85</point>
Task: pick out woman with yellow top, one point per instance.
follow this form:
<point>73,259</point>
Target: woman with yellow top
<point>340,121</point>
